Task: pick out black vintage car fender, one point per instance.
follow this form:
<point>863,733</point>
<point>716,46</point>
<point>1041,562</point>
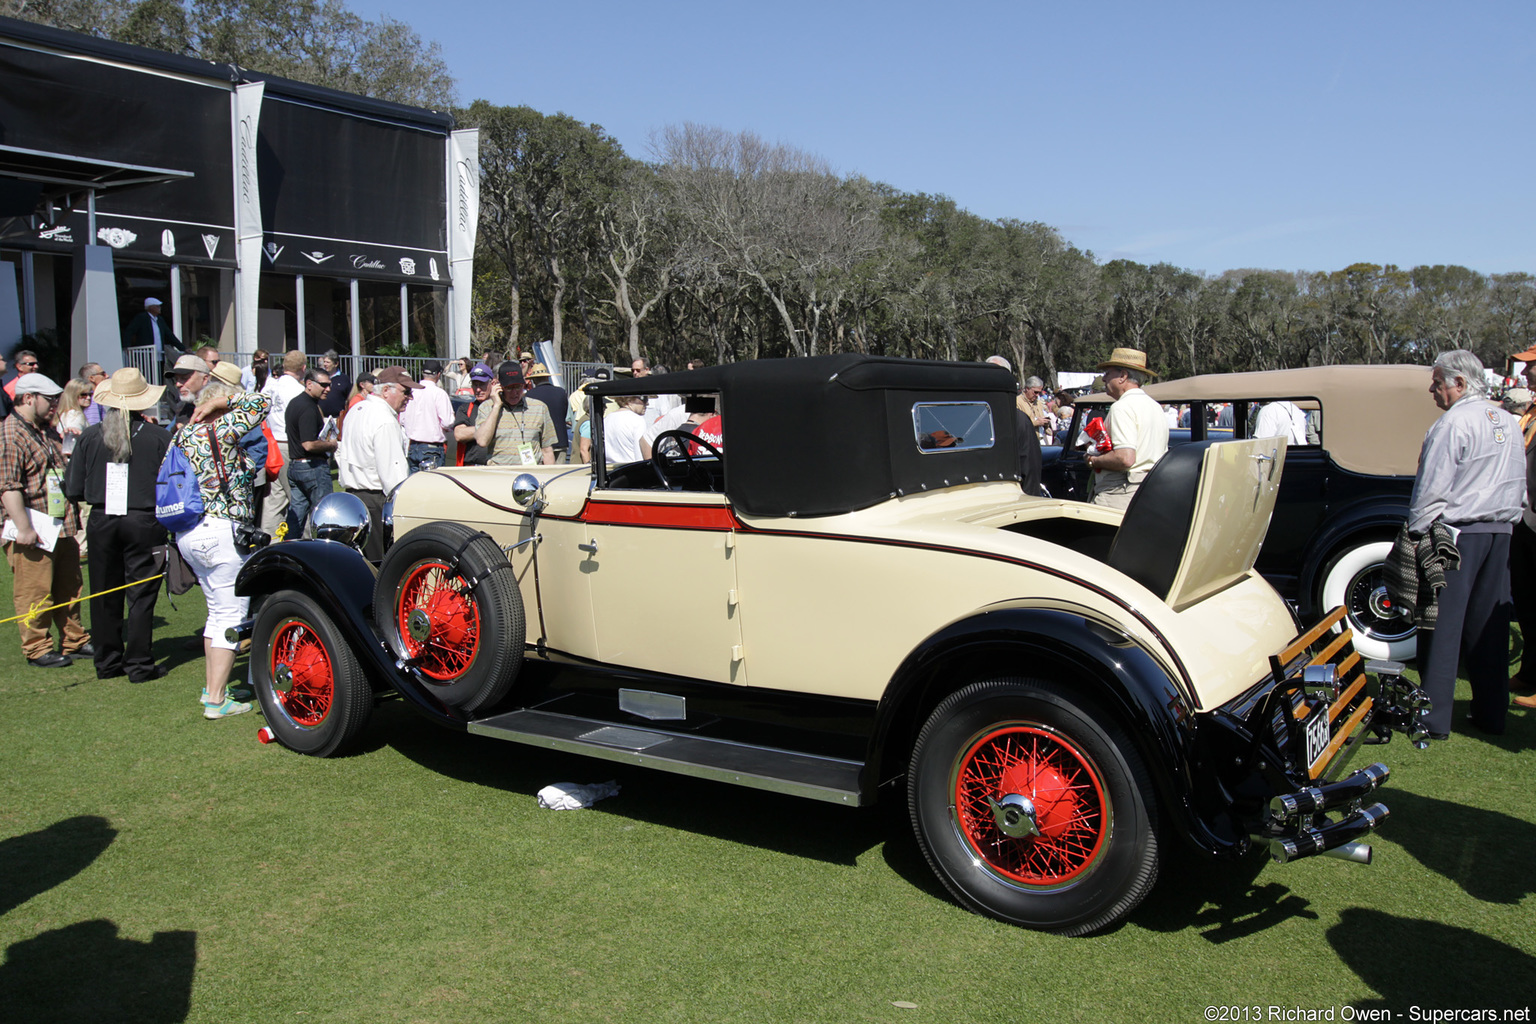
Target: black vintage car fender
<point>1369,518</point>
<point>342,581</point>
<point>1074,650</point>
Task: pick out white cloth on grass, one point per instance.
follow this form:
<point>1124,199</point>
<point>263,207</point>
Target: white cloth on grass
<point>571,796</point>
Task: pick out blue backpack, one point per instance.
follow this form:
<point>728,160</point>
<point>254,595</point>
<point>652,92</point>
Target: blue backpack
<point>254,444</point>
<point>178,495</point>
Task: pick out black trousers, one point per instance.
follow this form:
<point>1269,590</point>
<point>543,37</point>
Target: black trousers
<point>121,551</point>
<point>1472,622</point>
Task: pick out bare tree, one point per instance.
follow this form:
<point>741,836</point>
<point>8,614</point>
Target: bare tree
<point>773,214</point>
<point>641,242</point>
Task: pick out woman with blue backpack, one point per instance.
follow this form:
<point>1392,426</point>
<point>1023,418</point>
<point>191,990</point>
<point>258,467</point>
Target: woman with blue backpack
<point>205,489</point>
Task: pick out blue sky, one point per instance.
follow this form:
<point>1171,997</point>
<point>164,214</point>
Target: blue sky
<point>1295,136</point>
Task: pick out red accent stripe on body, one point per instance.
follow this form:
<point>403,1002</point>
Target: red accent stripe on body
<point>678,517</point>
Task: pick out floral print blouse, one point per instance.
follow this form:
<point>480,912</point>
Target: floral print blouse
<point>246,410</point>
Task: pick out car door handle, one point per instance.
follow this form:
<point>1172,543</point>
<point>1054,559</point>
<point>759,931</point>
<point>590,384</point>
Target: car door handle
<point>590,549</point>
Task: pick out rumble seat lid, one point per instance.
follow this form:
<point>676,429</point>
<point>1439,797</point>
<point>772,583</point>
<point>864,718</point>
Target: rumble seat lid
<point>1217,498</point>
<point>1238,484</point>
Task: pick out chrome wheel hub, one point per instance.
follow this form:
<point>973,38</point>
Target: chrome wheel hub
<point>1380,604</point>
<point>419,625</point>
<point>1015,816</point>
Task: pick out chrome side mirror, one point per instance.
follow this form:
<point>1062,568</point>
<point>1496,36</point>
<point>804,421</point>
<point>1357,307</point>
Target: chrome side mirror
<point>527,492</point>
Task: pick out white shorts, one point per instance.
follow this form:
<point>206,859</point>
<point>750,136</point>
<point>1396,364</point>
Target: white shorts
<point>209,550</point>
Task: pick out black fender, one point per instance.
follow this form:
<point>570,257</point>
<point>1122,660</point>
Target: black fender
<point>1346,526</point>
<point>342,581</point>
<point>1110,669</point>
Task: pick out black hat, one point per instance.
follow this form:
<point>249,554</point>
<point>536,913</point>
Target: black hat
<point>510,375</point>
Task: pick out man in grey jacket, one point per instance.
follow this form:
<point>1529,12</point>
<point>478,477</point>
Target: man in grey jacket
<point>1472,477</point>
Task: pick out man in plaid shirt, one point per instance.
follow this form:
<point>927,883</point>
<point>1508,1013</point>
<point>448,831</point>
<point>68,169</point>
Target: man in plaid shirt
<point>32,480</point>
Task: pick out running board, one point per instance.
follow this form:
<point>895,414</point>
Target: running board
<point>778,771</point>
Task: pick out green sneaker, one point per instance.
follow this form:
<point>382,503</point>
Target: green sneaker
<point>235,691</point>
<point>226,709</point>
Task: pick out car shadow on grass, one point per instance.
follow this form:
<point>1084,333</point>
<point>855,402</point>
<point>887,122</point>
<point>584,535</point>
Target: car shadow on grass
<point>1431,965</point>
<point>770,821</point>
<point>1221,899</point>
<point>1487,853</point>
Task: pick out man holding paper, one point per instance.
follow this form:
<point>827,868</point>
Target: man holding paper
<point>40,525</point>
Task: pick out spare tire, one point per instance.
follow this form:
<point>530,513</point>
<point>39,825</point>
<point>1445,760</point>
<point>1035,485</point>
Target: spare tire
<point>447,603</point>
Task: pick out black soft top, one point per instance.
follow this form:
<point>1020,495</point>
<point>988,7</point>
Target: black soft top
<point>830,434</point>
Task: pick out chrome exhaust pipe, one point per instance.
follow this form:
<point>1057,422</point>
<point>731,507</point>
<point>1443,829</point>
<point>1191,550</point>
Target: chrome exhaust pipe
<point>1356,852</point>
<point>1334,836</point>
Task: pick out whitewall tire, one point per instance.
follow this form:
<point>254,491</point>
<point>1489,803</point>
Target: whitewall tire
<point>1355,580</point>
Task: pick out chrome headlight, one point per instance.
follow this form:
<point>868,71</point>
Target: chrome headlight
<point>341,517</point>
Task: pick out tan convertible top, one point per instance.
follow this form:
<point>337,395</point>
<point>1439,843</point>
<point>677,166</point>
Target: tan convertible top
<point>1374,417</point>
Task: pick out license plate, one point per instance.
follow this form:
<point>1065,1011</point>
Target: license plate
<point>1317,733</point>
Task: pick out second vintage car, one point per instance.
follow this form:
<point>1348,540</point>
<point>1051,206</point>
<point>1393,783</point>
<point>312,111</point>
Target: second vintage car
<point>1345,491</point>
<point>847,597</point>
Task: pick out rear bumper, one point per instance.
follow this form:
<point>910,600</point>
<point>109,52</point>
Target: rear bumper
<point>1288,744</point>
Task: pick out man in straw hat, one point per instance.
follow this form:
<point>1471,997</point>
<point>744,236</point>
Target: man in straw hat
<point>113,470</point>
<point>43,525</point>
<point>1138,429</point>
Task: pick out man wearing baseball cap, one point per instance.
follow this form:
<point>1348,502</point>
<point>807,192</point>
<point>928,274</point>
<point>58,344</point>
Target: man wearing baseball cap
<point>370,461</point>
<point>518,430</point>
<point>148,329</point>
<point>190,375</point>
<point>469,453</point>
<point>32,493</point>
<point>429,413</point>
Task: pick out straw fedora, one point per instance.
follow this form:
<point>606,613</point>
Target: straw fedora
<point>1128,359</point>
<point>127,389</point>
<point>229,373</point>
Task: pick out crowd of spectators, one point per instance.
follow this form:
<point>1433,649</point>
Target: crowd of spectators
<point>78,464</point>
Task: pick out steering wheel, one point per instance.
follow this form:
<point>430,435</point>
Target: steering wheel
<point>677,461</point>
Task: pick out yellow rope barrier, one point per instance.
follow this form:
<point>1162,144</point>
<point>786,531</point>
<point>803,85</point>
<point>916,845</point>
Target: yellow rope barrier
<point>34,611</point>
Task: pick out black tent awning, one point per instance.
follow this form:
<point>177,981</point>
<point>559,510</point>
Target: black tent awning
<point>34,181</point>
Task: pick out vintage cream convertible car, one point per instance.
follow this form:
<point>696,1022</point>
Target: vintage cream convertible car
<point>850,599</point>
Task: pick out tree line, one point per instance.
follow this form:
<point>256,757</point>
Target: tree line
<point>723,247</point>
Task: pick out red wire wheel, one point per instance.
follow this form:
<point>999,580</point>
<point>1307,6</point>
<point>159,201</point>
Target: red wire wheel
<point>447,603</point>
<point>439,621</point>
<point>312,691</point>
<point>1031,805</point>
<point>304,681</point>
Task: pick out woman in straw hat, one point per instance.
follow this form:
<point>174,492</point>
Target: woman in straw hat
<point>113,470</point>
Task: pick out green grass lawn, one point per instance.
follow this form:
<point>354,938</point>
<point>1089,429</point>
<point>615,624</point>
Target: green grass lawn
<point>155,866</point>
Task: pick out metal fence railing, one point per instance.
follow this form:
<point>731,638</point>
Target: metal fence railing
<point>143,358</point>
